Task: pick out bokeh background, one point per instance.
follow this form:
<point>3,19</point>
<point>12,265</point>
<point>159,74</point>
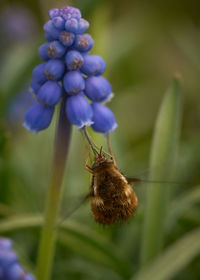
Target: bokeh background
<point>144,43</point>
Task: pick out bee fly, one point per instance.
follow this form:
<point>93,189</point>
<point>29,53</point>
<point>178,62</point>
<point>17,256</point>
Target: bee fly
<point>111,194</point>
<point>112,197</point>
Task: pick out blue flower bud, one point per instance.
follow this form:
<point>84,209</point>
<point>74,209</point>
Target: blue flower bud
<point>73,82</point>
<point>98,89</point>
<point>54,13</point>
<point>38,117</point>
<point>35,87</point>
<point>93,65</point>
<point>59,22</point>
<point>38,74</point>
<point>15,272</point>
<point>71,25</point>
<point>50,93</point>
<point>73,60</point>
<point>75,13</point>
<point>7,258</point>
<point>84,54</point>
<point>28,277</point>
<point>82,25</point>
<point>51,29</point>
<point>104,119</point>
<point>70,12</point>
<point>54,69</point>
<point>48,37</point>
<point>43,52</point>
<point>5,243</point>
<point>66,38</point>
<point>79,111</point>
<point>83,42</point>
<point>55,49</point>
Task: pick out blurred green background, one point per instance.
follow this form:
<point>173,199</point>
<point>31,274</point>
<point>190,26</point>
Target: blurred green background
<point>144,43</point>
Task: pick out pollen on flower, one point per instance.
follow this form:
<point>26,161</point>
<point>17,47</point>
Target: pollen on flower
<point>66,38</point>
<point>83,43</point>
<point>76,64</point>
<point>51,51</point>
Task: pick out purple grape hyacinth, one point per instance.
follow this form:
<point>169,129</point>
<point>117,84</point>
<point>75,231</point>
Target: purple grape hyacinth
<point>10,269</point>
<point>70,71</point>
<point>103,118</point>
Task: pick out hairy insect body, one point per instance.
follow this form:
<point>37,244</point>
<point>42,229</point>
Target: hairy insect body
<point>112,197</point>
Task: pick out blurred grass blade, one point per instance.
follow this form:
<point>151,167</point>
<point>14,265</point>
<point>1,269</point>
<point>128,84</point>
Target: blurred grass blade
<point>6,210</point>
<point>17,70</point>
<point>173,260</point>
<point>90,245</point>
<point>163,150</point>
<point>79,238</point>
<point>100,29</point>
<point>185,202</point>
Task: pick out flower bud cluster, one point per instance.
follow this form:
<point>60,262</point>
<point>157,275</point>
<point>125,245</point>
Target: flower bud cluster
<point>10,269</point>
<point>68,69</point>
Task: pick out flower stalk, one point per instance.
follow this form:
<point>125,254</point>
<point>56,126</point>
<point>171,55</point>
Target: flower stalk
<point>48,235</point>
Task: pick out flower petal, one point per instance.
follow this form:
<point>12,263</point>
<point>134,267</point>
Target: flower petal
<point>73,60</point>
<point>54,69</point>
<point>73,82</point>
<point>38,117</point>
<point>98,89</point>
<point>104,119</point>
<point>83,43</point>
<point>79,111</point>
<point>49,93</point>
<point>93,65</point>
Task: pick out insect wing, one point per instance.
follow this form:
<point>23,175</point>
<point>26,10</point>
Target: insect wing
<point>73,204</point>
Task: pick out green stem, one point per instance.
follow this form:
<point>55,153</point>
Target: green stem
<point>48,235</point>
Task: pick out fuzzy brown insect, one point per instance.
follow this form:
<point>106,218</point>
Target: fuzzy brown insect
<point>112,198</point>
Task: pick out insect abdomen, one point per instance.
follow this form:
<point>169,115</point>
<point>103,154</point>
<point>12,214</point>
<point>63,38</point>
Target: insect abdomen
<point>116,208</point>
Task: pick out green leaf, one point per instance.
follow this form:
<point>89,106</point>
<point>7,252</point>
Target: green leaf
<point>79,238</point>
<point>173,260</point>
<point>163,150</point>
<point>181,205</point>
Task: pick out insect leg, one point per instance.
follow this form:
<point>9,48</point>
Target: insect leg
<point>87,167</point>
<point>110,150</point>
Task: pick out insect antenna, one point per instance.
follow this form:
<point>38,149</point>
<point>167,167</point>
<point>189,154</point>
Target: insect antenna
<point>109,145</point>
